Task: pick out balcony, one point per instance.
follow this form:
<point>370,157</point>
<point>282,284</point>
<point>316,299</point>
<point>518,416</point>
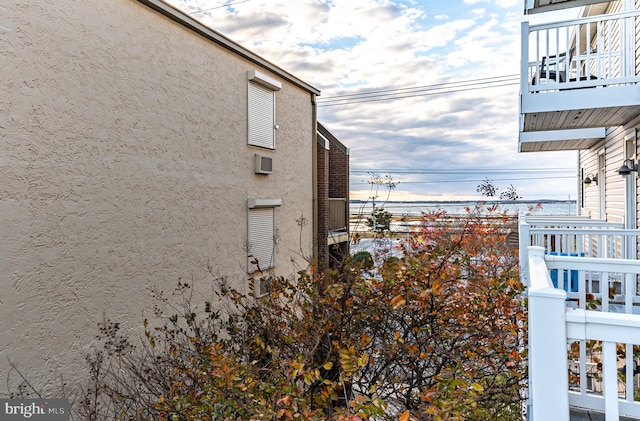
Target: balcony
<point>584,318</point>
<point>577,78</point>
<point>338,221</point>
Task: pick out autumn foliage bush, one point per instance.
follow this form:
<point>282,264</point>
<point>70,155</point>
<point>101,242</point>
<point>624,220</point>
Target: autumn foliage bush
<point>433,334</point>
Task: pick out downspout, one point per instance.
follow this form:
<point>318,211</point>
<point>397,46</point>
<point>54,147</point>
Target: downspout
<point>314,172</point>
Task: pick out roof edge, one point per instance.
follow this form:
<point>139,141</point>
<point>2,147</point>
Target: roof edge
<point>331,138</point>
<point>195,25</point>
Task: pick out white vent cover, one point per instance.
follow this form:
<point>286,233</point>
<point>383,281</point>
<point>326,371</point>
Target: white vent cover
<point>263,164</point>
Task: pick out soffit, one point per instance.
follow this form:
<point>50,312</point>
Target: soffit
<point>538,6</point>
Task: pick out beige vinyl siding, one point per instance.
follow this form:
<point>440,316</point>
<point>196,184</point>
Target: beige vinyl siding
<point>637,40</point>
<point>632,129</point>
<point>589,203</point>
<point>615,187</point>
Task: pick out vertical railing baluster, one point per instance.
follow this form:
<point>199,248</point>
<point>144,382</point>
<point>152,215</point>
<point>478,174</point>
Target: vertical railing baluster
<point>629,291</point>
<point>583,367</point>
<point>578,51</point>
<point>599,47</point>
<point>610,48</point>
<point>629,363</point>
<point>610,381</point>
<point>604,290</point>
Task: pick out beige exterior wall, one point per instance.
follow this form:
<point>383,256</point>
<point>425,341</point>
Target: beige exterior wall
<point>614,184</point>
<point>125,166</point>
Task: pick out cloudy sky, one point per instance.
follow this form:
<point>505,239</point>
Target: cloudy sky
<point>422,91</point>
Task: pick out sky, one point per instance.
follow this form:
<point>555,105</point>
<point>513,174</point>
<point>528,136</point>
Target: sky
<point>423,92</point>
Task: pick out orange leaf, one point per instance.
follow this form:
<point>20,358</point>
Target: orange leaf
<point>397,301</point>
<point>404,416</point>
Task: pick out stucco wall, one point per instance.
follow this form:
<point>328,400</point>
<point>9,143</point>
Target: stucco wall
<point>125,166</point>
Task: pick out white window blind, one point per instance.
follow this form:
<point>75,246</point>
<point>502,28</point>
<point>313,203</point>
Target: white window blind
<point>262,110</point>
<point>261,247</point>
<point>261,116</point>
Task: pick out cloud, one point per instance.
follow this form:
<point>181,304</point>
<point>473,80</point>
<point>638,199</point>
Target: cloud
<point>356,46</point>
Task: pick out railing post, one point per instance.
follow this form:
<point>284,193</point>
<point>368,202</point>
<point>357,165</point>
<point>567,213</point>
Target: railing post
<point>524,238</point>
<point>548,368</point>
<point>524,58</point>
<point>610,381</point>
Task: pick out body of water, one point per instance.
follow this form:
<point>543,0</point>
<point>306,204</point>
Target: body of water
<point>386,246</point>
<point>520,207</point>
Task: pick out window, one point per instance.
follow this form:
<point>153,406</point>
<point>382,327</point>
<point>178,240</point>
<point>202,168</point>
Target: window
<point>262,110</point>
<point>261,244</point>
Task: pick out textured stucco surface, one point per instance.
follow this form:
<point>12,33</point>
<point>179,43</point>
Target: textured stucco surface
<point>125,166</point>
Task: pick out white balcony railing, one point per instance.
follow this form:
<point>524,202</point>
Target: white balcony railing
<point>581,53</point>
<point>575,236</point>
<point>584,316</point>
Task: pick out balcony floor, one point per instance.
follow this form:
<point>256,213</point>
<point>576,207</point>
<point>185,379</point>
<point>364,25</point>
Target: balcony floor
<point>574,109</point>
<point>579,118</point>
<point>576,414</point>
<point>580,108</point>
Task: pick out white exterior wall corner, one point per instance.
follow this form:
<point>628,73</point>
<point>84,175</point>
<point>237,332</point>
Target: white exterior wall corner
<point>125,167</point>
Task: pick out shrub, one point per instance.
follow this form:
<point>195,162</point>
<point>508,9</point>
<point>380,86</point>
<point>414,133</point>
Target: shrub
<point>363,259</point>
<point>435,334</point>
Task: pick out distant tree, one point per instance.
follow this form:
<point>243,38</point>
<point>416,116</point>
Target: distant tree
<point>510,194</point>
<point>379,221</point>
<point>487,188</point>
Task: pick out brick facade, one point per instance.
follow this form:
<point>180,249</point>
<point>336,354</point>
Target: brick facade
<point>333,183</point>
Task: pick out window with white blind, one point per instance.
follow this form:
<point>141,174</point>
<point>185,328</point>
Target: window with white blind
<point>261,244</point>
<point>262,110</point>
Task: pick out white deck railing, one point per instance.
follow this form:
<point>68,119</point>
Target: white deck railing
<point>579,53</point>
<point>593,334</point>
<point>574,236</point>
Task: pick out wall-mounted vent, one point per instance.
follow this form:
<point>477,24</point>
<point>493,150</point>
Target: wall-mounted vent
<point>263,164</point>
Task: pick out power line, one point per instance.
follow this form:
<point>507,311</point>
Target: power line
<point>400,93</point>
<point>391,98</point>
<point>471,180</point>
<point>414,88</point>
<point>217,7</point>
<point>461,171</point>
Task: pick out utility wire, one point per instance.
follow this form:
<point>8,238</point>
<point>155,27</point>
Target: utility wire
<point>390,98</point>
<point>461,171</point>
<point>354,183</point>
<point>417,88</point>
<point>217,7</point>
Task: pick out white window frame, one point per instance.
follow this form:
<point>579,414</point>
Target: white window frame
<point>261,234</point>
<point>261,110</point>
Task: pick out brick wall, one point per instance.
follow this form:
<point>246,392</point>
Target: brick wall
<point>323,202</point>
